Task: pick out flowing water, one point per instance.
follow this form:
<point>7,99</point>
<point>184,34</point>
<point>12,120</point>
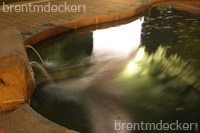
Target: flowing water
<point>40,67</point>
<point>29,46</point>
<point>145,70</point>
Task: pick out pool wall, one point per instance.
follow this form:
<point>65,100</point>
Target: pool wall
<point>53,28</point>
<point>16,79</point>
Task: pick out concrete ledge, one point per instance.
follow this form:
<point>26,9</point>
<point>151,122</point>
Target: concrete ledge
<point>61,26</point>
<point>16,81</point>
<point>26,120</point>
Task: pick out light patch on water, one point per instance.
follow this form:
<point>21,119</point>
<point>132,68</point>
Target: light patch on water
<point>117,42</point>
<point>139,54</point>
<point>133,66</point>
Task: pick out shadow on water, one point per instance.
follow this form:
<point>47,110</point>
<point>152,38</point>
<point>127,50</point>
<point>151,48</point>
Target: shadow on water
<point>99,77</point>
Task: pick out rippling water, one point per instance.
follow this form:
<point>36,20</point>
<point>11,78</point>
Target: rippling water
<point>146,70</point>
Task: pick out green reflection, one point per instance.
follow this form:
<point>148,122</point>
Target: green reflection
<point>177,30</point>
<point>158,86</point>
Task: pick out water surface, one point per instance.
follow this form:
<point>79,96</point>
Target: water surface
<point>146,70</point>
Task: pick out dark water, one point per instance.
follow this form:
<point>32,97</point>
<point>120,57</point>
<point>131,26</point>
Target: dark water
<point>146,70</point>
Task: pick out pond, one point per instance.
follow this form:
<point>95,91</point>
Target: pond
<point>146,70</point>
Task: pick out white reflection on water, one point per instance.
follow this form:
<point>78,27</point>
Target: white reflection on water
<point>117,42</point>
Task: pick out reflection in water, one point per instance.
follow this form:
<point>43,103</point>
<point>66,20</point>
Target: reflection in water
<point>142,59</point>
<point>179,31</point>
<point>160,88</point>
<point>133,66</point>
<point>159,82</point>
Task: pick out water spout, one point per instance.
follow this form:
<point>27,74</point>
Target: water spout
<point>46,74</point>
<point>29,46</point>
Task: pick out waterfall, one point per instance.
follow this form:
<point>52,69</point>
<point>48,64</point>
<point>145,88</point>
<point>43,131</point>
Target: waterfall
<point>29,46</point>
<point>46,74</point>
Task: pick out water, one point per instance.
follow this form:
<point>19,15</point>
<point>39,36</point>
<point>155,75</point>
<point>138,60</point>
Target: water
<point>36,64</point>
<point>29,46</point>
<point>146,70</point>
